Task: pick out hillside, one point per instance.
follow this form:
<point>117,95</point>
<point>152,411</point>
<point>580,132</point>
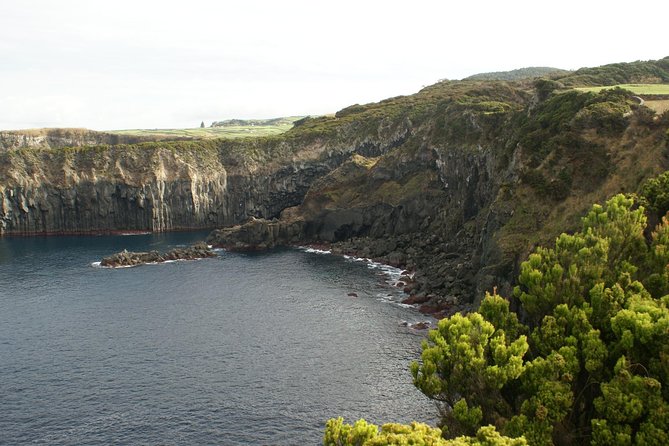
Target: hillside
<point>639,72</point>
<point>518,74</point>
<point>457,182</point>
<point>284,121</point>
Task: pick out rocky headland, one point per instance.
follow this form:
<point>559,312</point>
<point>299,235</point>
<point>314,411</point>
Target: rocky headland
<point>456,183</point>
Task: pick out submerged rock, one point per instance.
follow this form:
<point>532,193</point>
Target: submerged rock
<point>128,258</point>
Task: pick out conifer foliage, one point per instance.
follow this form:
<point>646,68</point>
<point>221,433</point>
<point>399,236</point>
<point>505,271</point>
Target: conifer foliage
<point>585,360</point>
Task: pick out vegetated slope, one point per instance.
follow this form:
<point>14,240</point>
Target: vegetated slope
<point>457,182</point>
<point>486,171</point>
<point>640,72</point>
<point>518,74</point>
<point>576,356</point>
<point>283,121</point>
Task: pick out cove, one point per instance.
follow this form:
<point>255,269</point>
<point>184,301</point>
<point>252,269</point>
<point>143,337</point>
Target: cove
<point>238,349</point>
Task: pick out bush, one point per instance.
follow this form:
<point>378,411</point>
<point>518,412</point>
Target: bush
<point>585,358</point>
<point>655,194</point>
<point>363,434</point>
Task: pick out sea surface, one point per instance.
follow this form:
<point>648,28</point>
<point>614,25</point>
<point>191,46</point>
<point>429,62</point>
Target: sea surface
<point>240,349</point>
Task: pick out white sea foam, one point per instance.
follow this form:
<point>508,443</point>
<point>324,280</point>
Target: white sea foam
<point>313,250</point>
<point>134,233</point>
<point>393,294</point>
<point>98,265</point>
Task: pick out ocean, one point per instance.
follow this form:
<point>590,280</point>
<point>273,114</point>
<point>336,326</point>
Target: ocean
<point>240,349</point>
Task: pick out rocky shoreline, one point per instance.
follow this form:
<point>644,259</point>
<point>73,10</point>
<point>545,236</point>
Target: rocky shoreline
<point>438,289</point>
<point>127,258</point>
<point>417,280</point>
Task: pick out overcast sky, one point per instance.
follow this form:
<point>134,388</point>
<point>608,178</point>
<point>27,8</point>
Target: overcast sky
<point>162,64</point>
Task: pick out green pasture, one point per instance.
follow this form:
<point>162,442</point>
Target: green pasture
<point>228,131</point>
<point>642,89</point>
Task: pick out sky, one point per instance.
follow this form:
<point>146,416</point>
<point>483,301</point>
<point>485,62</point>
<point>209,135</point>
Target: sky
<point>163,64</point>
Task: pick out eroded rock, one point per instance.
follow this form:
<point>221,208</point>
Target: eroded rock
<point>128,258</point>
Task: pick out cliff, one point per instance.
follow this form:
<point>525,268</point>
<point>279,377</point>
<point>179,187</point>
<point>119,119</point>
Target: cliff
<point>59,138</point>
<point>457,182</point>
<point>486,172</point>
<point>163,186</point>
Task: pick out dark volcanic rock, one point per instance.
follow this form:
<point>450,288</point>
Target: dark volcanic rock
<point>256,234</point>
<point>127,258</point>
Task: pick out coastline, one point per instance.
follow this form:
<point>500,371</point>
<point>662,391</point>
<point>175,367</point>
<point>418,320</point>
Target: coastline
<point>100,233</point>
<point>401,279</point>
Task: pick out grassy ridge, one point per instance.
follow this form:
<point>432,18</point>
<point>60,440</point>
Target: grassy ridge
<point>227,131</point>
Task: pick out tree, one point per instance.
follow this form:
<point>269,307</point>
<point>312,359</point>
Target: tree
<point>364,434</point>
<point>588,362</point>
<point>202,125</point>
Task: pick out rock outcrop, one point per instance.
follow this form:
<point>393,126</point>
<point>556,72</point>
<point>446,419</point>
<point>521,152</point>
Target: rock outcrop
<point>164,186</point>
<point>128,258</point>
<point>456,183</point>
<point>461,211</point>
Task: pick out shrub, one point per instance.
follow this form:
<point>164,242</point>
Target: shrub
<point>586,363</point>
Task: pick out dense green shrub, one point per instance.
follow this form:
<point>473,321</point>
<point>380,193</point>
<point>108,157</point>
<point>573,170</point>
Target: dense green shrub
<point>584,360</point>
<point>549,125</point>
<point>417,434</point>
<point>655,194</point>
<point>545,87</point>
<point>620,73</point>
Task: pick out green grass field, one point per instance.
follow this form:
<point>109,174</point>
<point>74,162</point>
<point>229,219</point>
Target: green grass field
<point>228,131</point>
<point>650,89</point>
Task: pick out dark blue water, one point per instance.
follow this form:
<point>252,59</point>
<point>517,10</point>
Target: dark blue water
<point>234,350</point>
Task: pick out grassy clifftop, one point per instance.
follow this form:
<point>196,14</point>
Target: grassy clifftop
<point>232,128</point>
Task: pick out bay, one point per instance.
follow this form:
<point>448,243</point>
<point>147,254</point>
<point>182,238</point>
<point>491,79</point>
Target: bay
<point>239,349</point>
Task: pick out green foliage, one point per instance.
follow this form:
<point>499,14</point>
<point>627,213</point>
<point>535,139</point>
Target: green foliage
<point>549,125</point>
<point>339,434</point>
<point>606,112</point>
<point>457,111</point>
<point>619,73</point>
<point>417,434</point>
<point>655,194</point>
<point>545,87</point>
<point>518,74</point>
<point>586,359</point>
<point>467,355</point>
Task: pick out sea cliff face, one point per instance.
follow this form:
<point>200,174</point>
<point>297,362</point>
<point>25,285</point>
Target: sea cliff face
<point>470,191</point>
<point>456,183</point>
<point>162,186</point>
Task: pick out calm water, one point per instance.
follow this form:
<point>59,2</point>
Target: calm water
<point>238,349</point>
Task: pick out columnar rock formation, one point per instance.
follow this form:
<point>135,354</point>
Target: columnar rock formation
<point>457,182</point>
<point>163,186</point>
